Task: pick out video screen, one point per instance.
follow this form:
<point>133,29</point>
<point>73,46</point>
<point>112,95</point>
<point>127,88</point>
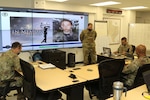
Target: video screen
<point>38,31</point>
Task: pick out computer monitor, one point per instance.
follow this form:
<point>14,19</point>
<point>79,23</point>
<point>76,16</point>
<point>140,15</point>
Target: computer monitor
<point>107,51</point>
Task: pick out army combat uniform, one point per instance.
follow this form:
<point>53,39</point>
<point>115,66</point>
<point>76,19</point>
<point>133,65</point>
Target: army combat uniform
<point>9,62</point>
<point>62,37</point>
<point>127,48</point>
<point>88,43</point>
<point>131,69</point>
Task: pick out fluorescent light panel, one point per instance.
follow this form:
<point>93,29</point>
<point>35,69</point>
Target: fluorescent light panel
<point>105,3</point>
<point>58,0</point>
<point>136,7</point>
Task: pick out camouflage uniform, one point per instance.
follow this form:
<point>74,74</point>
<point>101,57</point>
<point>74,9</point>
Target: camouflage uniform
<point>88,43</point>
<point>131,69</point>
<point>62,37</point>
<point>126,48</point>
<point>9,62</point>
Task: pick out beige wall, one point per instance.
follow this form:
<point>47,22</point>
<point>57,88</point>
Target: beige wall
<point>95,13</point>
<point>143,17</point>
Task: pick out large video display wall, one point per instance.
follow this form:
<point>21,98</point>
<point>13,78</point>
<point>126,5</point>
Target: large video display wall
<point>41,29</point>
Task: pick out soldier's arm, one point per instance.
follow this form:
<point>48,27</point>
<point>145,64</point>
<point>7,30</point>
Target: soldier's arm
<point>95,34</point>
<point>81,36</point>
<point>130,50</point>
<point>17,64</point>
<point>130,68</point>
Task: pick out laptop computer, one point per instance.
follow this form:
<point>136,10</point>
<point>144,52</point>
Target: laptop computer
<point>146,76</point>
<point>107,51</point>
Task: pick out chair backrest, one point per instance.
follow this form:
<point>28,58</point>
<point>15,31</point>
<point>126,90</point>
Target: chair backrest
<point>133,48</point>
<point>36,56</point>
<point>101,58</point>
<point>139,80</point>
<point>146,76</point>
<point>29,85</point>
<point>110,71</point>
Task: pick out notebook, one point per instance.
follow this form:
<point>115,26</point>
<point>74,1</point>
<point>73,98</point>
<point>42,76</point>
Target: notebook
<point>46,66</point>
<point>146,76</point>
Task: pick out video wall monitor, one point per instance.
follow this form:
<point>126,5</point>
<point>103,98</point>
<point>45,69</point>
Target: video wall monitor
<point>41,29</point>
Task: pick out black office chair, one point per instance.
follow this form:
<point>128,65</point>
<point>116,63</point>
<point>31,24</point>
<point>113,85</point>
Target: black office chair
<point>30,91</point>
<point>133,48</point>
<point>109,71</point>
<point>101,58</point>
<point>37,56</point>
<point>139,80</point>
<point>4,90</point>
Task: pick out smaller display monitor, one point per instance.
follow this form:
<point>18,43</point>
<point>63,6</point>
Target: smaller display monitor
<point>107,51</point>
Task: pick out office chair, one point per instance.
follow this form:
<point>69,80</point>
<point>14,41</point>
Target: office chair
<point>37,56</point>
<point>4,90</point>
<point>30,91</point>
<point>109,72</point>
<point>139,80</point>
<point>133,48</point>
<point>101,58</point>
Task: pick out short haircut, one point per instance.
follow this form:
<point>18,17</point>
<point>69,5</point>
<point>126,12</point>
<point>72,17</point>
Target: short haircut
<point>16,45</point>
<point>90,24</point>
<point>124,38</point>
<point>66,20</point>
<point>141,49</point>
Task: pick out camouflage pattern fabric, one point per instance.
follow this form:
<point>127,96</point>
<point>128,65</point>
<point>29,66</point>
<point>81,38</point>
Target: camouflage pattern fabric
<point>88,43</point>
<point>62,37</point>
<point>126,48</point>
<point>131,69</point>
<point>9,63</point>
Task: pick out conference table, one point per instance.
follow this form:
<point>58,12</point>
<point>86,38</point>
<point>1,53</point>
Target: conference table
<point>88,72</point>
<point>134,94</point>
<point>54,78</point>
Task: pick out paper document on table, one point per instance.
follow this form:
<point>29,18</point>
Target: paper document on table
<point>45,66</point>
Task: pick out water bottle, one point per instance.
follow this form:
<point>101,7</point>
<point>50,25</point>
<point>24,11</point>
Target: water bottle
<point>118,89</point>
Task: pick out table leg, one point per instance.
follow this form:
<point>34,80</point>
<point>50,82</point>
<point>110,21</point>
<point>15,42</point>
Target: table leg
<point>74,92</point>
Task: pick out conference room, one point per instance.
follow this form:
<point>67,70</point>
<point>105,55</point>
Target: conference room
<point>111,23</point>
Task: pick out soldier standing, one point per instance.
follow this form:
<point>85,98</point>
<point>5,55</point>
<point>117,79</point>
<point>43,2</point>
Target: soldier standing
<point>87,38</point>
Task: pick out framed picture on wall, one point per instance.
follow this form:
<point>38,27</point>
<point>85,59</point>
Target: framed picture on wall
<point>114,26</point>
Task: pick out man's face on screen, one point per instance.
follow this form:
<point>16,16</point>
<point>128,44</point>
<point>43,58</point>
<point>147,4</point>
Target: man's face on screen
<point>66,26</point>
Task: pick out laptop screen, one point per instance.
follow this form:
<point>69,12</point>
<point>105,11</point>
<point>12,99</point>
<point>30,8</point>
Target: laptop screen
<point>146,76</point>
<point>107,51</point>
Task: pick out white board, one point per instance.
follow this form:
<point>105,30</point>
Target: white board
<point>102,39</point>
<point>139,34</point>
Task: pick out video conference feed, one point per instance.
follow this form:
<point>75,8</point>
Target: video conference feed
<point>38,31</point>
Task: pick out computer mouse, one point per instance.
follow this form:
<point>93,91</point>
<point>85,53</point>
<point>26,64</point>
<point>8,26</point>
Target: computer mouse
<point>72,76</point>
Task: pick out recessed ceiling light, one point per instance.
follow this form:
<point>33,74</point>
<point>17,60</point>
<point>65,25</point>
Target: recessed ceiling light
<point>57,0</point>
<point>136,7</point>
<point>105,3</point>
